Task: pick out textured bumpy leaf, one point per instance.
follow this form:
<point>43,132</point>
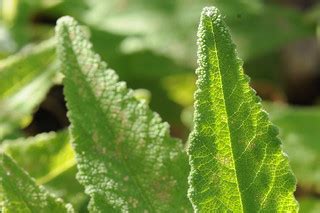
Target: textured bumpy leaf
<point>25,78</point>
<point>51,152</point>
<point>126,158</point>
<point>236,159</point>
<point>20,193</point>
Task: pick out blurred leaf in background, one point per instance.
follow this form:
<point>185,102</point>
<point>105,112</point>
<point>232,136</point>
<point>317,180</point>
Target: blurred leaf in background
<point>49,158</point>
<point>148,41</point>
<point>20,193</point>
<point>169,27</point>
<point>309,205</point>
<point>25,80</point>
<point>299,128</point>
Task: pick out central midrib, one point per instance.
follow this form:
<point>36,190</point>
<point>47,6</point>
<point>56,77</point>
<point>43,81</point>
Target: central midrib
<point>225,111</point>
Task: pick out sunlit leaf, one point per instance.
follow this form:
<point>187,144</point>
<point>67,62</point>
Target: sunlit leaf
<point>236,159</point>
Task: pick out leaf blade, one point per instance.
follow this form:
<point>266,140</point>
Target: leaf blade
<point>126,158</point>
<point>51,151</point>
<point>20,192</point>
<point>236,160</point>
<point>55,164</point>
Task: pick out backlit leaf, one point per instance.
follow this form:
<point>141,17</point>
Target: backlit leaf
<point>237,164</point>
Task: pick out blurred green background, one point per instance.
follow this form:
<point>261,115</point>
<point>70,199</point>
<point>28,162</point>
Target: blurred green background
<point>152,46</point>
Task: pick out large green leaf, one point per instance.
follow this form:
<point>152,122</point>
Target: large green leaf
<point>236,159</point>
<point>126,159</point>
<point>25,79</point>
<point>20,193</point>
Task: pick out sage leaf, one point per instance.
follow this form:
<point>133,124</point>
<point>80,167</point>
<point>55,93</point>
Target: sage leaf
<point>126,159</point>
<point>237,164</point>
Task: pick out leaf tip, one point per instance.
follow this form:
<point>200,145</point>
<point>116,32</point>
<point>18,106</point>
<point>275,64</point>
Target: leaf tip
<point>64,25</point>
<point>210,12</point>
<point>65,20</point>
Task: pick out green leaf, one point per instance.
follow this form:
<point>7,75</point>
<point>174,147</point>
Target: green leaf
<point>126,159</point>
<point>55,163</point>
<point>20,193</point>
<point>51,152</point>
<point>19,70</point>
<point>236,159</point>
<point>25,79</point>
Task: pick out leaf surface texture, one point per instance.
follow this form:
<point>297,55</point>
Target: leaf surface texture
<point>126,159</point>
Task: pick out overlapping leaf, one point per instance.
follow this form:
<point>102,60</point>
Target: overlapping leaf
<point>19,192</point>
<point>49,158</point>
<point>50,151</point>
<point>126,158</point>
<point>236,159</point>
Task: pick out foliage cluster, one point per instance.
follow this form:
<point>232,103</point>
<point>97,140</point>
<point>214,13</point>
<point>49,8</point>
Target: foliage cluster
<point>117,154</point>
